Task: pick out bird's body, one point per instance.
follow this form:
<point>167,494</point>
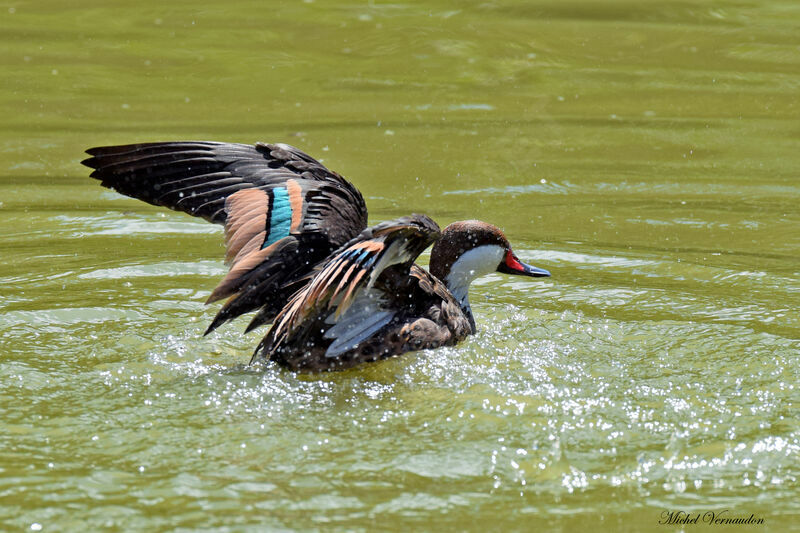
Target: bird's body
<point>336,292</point>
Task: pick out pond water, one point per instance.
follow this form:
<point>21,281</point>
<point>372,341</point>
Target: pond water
<point>646,153</point>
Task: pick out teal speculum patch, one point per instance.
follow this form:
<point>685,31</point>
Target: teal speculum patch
<point>280,216</point>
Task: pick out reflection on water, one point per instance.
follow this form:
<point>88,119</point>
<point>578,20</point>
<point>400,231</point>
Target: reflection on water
<point>645,154</point>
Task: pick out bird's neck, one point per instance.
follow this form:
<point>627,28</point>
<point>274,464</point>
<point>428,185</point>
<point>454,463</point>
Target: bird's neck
<point>470,265</point>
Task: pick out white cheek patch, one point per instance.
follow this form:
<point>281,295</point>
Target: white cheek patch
<point>475,263</point>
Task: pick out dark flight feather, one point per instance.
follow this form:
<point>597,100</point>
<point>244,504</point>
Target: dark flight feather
<point>284,212</point>
<point>350,272</point>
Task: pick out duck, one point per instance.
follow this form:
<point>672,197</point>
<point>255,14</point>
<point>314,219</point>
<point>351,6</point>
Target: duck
<point>337,292</point>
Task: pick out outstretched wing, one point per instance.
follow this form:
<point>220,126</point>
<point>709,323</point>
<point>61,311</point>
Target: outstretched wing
<point>283,211</point>
<point>339,307</point>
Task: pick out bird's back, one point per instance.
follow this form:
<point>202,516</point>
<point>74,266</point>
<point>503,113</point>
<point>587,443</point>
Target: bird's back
<point>424,315</point>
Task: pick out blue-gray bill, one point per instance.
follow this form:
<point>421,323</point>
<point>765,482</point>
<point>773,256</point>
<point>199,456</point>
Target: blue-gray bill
<point>512,265</point>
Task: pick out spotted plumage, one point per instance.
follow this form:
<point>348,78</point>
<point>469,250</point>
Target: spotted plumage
<point>336,292</point>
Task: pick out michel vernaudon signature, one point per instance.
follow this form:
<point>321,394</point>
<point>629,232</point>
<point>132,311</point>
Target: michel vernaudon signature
<point>711,518</point>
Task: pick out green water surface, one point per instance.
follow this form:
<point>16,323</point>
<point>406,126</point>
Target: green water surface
<point>647,153</point>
